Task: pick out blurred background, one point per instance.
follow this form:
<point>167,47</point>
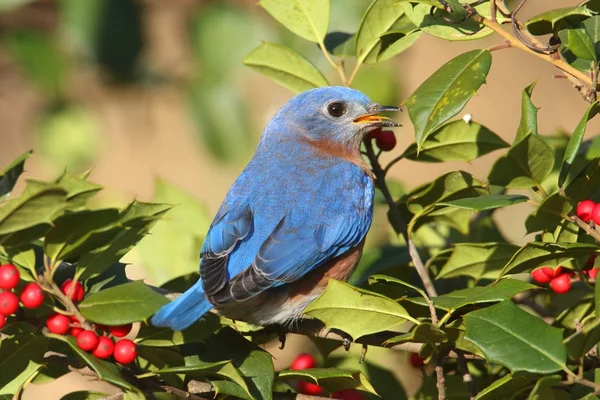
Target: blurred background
<point>153,97</point>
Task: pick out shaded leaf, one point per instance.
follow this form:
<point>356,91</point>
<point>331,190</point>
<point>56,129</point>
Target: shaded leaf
<point>394,44</point>
<point>456,141</point>
<point>527,164</point>
<point>286,67</point>
<point>486,202</point>
<point>79,190</point>
<point>528,123</point>
<point>122,304</point>
<point>379,17</point>
<point>506,386</point>
<point>586,183</point>
<point>445,93</point>
<point>422,333</point>
<point>84,395</point>
<point>10,174</point>
<point>308,19</point>
<point>512,337</point>
<point>552,210</point>
<point>332,379</point>
<point>575,142</point>
<point>478,260</point>
<point>340,44</point>
<point>550,21</point>
<point>21,356</point>
<point>165,337</point>
<point>357,312</point>
<point>582,341</point>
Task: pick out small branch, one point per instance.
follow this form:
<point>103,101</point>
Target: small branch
<point>467,377</point>
<point>500,46</point>
<point>592,232</point>
<point>440,378</point>
<point>48,285</point>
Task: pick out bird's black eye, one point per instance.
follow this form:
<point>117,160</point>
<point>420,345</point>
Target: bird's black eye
<point>336,109</point>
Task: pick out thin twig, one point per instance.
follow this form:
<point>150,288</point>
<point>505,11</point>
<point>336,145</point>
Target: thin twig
<point>592,232</point>
<point>467,377</point>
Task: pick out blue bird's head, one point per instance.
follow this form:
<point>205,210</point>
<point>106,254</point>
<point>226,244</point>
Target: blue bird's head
<point>332,114</point>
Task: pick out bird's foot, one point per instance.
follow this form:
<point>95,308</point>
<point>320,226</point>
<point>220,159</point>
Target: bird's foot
<point>282,339</point>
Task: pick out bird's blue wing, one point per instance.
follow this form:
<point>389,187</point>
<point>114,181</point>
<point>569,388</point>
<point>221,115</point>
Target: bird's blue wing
<point>294,249</point>
<point>227,230</point>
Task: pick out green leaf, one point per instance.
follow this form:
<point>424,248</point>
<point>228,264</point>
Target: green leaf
<point>527,164</point>
<point>448,187</point>
<point>165,337</point>
<point>445,93</point>
<point>332,379</point>
<point>550,21</point>
<point>285,67</point>
<point>79,232</point>
<point>28,217</point>
<point>390,279</point>
<point>528,124</point>
<point>552,210</point>
<point>84,395</point>
<point>106,371</point>
<point>10,174</point>
<point>79,190</point>
<point>544,389</point>
<point>228,388</point>
<point>340,44</point>
<point>506,387</point>
<point>356,311</point>
<point>469,29</point>
<point>308,19</point>
<point>536,254</point>
<point>582,341</point>
<point>122,304</point>
<point>478,260</point>
<point>577,40</point>
<point>585,184</point>
<point>493,293</point>
<point>512,337</point>
<point>379,17</point>
<point>394,44</point>
<point>422,333</point>
<point>575,142</point>
<point>456,141</point>
<point>486,202</point>
<point>21,356</point>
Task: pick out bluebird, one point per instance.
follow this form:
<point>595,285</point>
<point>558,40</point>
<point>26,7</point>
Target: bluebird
<point>296,216</point>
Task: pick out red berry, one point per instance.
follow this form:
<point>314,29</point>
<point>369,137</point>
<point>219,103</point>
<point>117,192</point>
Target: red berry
<point>416,361</point>
<point>58,323</point>
<point>2,321</point>
<point>125,351</point>
<point>596,214</point>
<point>309,388</point>
<point>386,140</point>
<point>87,340</point>
<point>105,348</point>
<point>540,276</point>
<point>557,272</point>
<point>593,273</point>
<point>32,295</point>
<point>584,210</point>
<point>120,331</point>
<point>74,289</point>
<point>561,284</point>
<point>9,276</point>
<point>303,361</point>
<point>75,331</point>
<point>347,394</point>
<point>9,303</point>
<point>373,134</point>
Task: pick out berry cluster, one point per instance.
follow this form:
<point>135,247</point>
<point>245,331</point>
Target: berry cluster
<point>588,211</point>
<point>306,361</point>
<point>32,295</point>
<point>385,140</point>
<point>124,351</point>
<point>559,278</point>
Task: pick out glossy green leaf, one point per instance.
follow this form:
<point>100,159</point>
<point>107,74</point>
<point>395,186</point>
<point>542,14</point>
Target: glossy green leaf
<point>435,25</point>
<point>486,202</point>
<point>493,293</point>
<point>512,337</point>
<point>79,232</point>
<point>397,44</point>
<point>285,66</point>
<point>306,18</point>
<point>356,311</point>
<point>166,337</point>
<point>21,356</point>
<point>390,279</point>
<point>29,216</point>
<point>10,174</point>
<point>332,379</point>
<point>577,40</point>
<point>552,210</point>
<point>527,164</point>
<point>506,387</point>
<point>549,21</point>
<point>229,388</point>
<point>478,260</point>
<point>582,341</point>
<point>422,333</point>
<point>106,371</point>
<point>448,187</point>
<point>528,123</point>
<point>79,190</point>
<point>585,184</point>
<point>122,304</point>
<point>536,254</point>
<point>575,142</point>
<point>380,16</point>
<point>456,141</point>
<point>445,93</point>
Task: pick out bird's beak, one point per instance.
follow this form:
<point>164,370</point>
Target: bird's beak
<point>373,119</point>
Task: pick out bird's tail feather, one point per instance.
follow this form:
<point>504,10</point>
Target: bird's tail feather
<point>183,311</point>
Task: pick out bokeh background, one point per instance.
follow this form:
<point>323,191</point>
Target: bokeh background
<point>153,97</point>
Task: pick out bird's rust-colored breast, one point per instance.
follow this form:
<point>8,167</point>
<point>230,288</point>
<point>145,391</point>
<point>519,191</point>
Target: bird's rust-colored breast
<point>337,150</point>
